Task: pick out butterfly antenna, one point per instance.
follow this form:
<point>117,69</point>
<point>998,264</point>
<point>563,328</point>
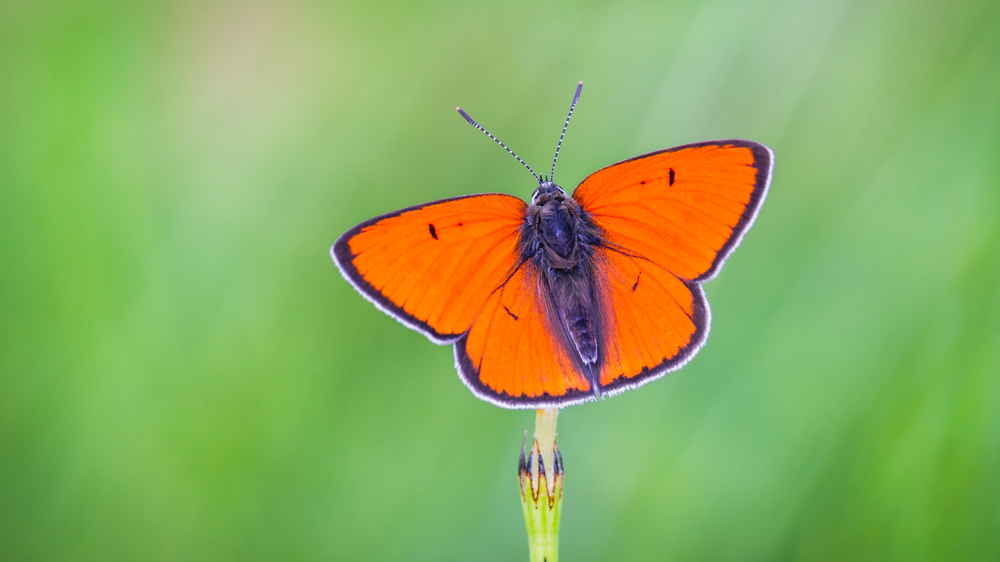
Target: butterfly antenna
<point>576,98</point>
<point>480,127</point>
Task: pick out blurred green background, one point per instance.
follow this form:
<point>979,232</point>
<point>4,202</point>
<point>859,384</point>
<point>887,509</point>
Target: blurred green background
<point>184,375</point>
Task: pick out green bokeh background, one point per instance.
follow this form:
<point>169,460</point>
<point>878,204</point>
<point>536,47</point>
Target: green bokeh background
<point>185,376</point>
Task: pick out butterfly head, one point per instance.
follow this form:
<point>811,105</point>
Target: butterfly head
<point>547,191</point>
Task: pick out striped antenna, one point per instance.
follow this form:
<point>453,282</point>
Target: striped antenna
<point>478,126</point>
<point>576,98</point>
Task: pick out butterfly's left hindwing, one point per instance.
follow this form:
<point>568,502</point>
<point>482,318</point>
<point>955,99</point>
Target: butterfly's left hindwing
<point>433,266</point>
<point>511,358</point>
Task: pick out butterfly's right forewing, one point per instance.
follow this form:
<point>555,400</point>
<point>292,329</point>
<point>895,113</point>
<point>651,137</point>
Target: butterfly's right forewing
<point>668,221</point>
<point>685,208</point>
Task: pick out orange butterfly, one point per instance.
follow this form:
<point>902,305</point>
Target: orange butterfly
<point>566,299</point>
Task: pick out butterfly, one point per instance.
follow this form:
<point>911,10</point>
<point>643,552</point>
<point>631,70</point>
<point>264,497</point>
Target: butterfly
<point>566,299</point>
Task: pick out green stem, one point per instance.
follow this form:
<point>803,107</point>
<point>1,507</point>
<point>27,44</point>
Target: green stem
<point>540,477</point>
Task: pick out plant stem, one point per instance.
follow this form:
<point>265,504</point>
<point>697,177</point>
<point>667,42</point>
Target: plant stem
<point>540,477</point>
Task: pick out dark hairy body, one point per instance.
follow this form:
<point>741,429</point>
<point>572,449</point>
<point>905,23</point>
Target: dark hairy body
<point>559,239</point>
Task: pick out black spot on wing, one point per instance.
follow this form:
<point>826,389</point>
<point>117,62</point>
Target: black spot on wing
<point>671,176</point>
<point>512,315</point>
<point>636,285</point>
<point>434,233</point>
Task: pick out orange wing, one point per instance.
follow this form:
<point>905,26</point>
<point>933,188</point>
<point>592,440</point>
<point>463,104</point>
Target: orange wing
<point>685,208</point>
<point>450,270</point>
<point>434,266</point>
<point>669,220</point>
<point>654,321</point>
<point>510,358</point>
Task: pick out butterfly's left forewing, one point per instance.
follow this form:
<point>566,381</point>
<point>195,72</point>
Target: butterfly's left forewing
<point>434,266</point>
<point>452,270</point>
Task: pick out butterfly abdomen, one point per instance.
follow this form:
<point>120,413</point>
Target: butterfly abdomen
<point>556,237</point>
<point>580,322</point>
